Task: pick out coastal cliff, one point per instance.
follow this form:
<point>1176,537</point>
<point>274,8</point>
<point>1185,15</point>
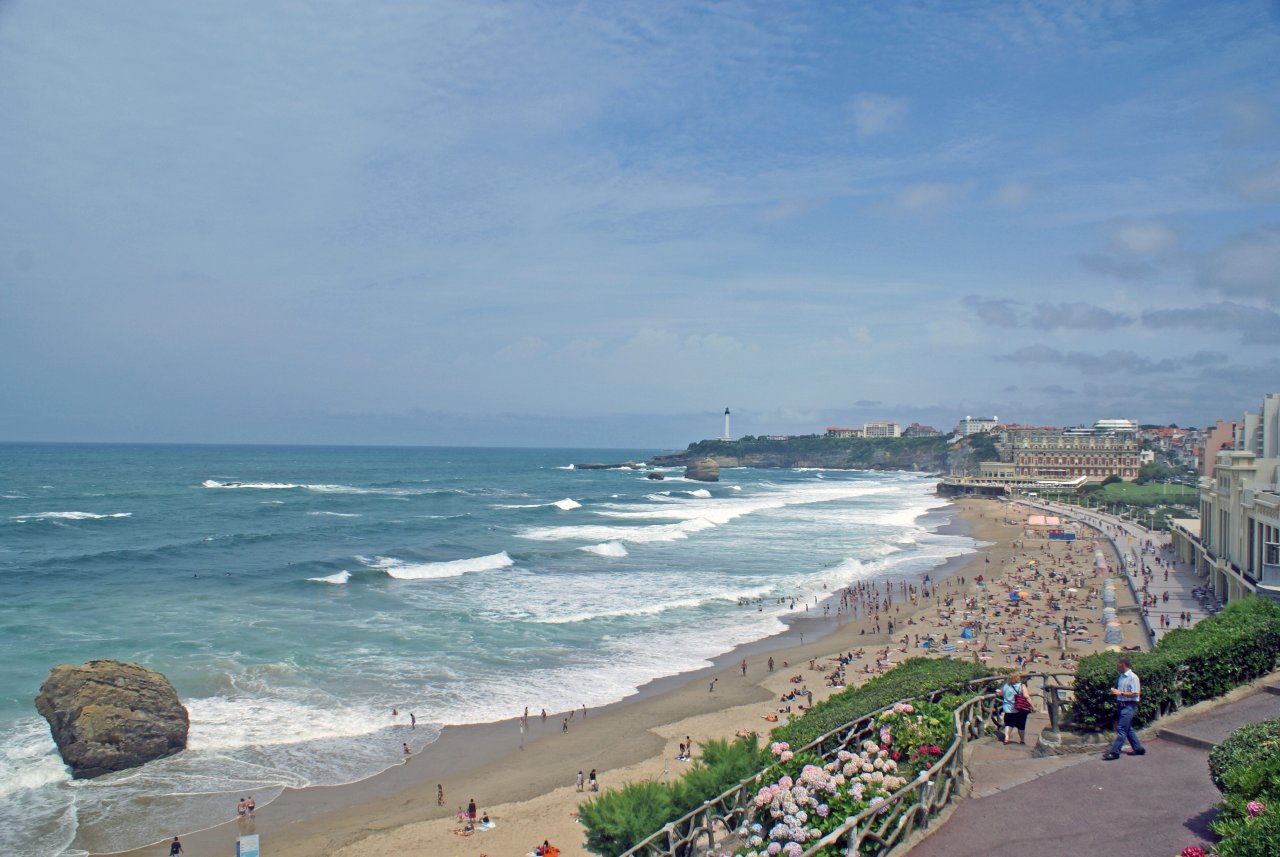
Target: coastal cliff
<point>930,454</point>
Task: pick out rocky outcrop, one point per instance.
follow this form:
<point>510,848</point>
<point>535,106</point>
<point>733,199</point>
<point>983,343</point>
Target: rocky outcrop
<point>703,470</point>
<point>110,716</point>
<point>924,454</point>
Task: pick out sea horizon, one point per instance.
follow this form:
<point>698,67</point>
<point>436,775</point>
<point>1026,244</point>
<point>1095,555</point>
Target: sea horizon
<point>296,595</point>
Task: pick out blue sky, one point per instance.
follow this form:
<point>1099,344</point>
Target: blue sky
<point>541,223</point>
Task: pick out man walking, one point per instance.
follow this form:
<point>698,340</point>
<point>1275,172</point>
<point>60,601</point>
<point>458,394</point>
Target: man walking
<point>1128,691</point>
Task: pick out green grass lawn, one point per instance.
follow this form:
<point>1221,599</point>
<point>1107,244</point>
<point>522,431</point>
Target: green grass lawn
<point>1149,494</point>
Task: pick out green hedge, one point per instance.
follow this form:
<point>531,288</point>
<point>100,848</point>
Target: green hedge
<point>617,820</point>
<point>910,679</point>
<point>1233,648</point>
<point>1246,767</point>
<point>1243,747</point>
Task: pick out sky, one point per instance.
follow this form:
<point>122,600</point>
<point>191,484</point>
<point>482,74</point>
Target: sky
<point>600,224</point>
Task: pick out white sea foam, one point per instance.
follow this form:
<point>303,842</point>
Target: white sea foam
<point>615,549</point>
<point>30,759</point>
<point>336,514</point>
<point>699,492</point>
<point>35,806</point>
<point>654,608</point>
<point>220,723</point>
<point>635,535</point>
<point>566,504</point>
<point>319,488</point>
<point>340,577</point>
<point>70,516</point>
<point>404,570</point>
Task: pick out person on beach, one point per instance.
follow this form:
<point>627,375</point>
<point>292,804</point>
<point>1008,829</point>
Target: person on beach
<point>471,810</point>
<point>175,847</point>
<point>439,794</point>
<point>241,808</point>
<point>565,726</point>
<point>407,751</point>
<point>578,781</point>
<point>711,687</point>
<point>1128,692</point>
<point>250,806</point>
<point>595,783</point>
<point>744,667</point>
<point>1013,718</point>
<point>413,720</point>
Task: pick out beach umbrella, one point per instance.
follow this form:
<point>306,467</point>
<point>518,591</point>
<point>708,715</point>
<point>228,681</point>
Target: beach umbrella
<point>1024,593</point>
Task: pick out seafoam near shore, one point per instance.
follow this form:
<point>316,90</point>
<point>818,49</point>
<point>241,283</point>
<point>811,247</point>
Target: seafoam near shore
<point>295,596</point>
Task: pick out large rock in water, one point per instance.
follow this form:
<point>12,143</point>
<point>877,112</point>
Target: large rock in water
<point>109,716</point>
<point>704,470</point>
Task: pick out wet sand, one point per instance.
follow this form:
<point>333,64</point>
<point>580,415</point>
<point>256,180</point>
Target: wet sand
<point>529,792</point>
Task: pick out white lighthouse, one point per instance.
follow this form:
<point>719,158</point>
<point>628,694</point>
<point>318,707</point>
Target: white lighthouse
<point>726,435</point>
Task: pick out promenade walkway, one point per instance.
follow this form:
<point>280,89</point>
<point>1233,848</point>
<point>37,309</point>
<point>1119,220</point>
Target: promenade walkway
<point>1130,539</point>
<point>1154,805</point>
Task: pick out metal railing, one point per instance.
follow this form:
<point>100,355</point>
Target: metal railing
<point>716,822</point>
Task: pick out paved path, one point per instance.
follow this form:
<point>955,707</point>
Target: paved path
<point>1155,804</point>
<point>1130,540</point>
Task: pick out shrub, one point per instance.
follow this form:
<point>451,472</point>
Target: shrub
<point>1233,648</point>
<point>1249,837</point>
<point>617,820</point>
<point>722,765</point>
<point>911,679</point>
<point>1243,747</point>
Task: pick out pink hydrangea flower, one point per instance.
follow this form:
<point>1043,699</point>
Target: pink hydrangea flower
<point>1255,808</point>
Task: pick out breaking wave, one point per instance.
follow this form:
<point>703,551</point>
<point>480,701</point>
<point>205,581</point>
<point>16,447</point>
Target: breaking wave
<point>403,570</point>
<point>606,549</point>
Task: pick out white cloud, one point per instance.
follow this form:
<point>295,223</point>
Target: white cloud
<point>1262,184</point>
<point>875,114</point>
<point>930,197</point>
<point>1013,194</point>
<point>1140,238</point>
<point>1247,265</point>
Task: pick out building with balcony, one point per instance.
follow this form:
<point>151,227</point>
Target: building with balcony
<point>883,429</point>
<point>1236,545</point>
<point>834,431</point>
<point>1064,455</point>
<point>1221,436</point>
<point>975,425</point>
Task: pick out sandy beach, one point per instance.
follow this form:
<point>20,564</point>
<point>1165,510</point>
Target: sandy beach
<point>526,784</point>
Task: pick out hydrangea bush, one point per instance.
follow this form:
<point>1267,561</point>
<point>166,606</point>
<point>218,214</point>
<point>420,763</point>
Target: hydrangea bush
<point>798,807</point>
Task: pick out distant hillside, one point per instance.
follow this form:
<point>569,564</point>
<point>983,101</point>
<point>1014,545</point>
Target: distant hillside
<point>930,454</point>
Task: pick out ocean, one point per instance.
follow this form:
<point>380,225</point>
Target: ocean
<point>296,595</point>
